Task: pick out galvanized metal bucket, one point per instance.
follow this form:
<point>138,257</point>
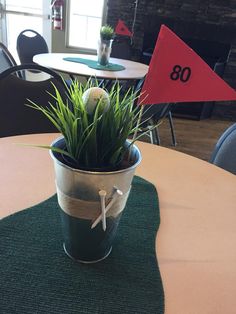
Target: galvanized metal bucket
<point>91,205</point>
<point>104,51</point>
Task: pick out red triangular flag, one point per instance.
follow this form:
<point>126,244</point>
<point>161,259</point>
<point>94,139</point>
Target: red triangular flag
<point>177,74</point>
<point>122,29</point>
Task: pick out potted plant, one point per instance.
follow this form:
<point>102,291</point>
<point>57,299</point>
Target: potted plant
<point>104,44</point>
<point>94,163</point>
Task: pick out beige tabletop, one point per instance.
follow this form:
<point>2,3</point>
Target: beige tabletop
<point>196,240</point>
<point>133,70</point>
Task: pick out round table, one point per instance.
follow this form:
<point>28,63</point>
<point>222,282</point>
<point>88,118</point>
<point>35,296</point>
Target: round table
<point>133,70</point>
<point>197,236</point>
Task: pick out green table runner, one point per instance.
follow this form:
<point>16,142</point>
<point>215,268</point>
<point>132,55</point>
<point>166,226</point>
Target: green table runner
<point>38,277</point>
<point>95,65</point>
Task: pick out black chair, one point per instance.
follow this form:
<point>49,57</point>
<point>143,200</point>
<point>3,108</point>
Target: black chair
<point>28,46</point>
<point>224,153</point>
<point>15,117</point>
<point>6,59</point>
<point>121,48</point>
<point>153,114</point>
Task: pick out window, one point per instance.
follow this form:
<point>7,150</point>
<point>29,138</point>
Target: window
<point>85,19</point>
<point>25,14</point>
<point>29,6</point>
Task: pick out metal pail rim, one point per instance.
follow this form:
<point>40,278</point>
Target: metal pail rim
<point>139,158</point>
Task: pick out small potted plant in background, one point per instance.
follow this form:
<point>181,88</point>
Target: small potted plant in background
<point>94,163</point>
<point>104,44</point>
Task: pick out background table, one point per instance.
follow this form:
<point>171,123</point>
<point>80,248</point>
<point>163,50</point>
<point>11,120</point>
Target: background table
<point>197,237</point>
<point>133,70</point>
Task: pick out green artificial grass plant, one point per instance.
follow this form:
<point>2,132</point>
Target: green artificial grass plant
<point>106,32</point>
<point>94,123</point>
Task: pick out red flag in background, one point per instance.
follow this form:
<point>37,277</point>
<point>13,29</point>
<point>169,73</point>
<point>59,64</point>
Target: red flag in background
<point>122,29</point>
<point>177,74</point>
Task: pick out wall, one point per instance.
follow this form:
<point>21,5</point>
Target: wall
<point>199,19</point>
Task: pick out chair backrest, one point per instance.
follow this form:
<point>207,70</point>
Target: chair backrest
<point>15,117</point>
<point>28,46</point>
<point>224,153</point>
<point>121,48</point>
<point>6,59</point>
<point>157,112</point>
<point>154,112</point>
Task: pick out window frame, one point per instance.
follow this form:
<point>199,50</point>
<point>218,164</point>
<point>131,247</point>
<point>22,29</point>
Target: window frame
<point>67,31</point>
